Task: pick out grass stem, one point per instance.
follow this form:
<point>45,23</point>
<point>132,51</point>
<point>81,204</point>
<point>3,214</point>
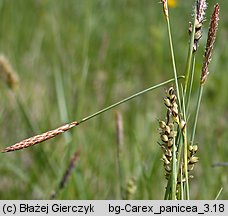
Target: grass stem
<point>189,58</point>
<point>173,62</point>
<point>219,193</point>
<point>128,98</point>
<point>196,114</point>
<point>174,173</point>
<point>189,92</point>
<point>62,129</point>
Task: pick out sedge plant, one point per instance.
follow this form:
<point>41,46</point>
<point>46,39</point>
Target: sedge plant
<point>178,148</point>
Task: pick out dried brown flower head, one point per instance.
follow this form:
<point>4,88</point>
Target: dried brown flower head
<point>210,43</point>
<point>40,138</point>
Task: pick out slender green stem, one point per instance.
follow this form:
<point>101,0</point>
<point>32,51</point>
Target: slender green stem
<point>127,99</point>
<point>189,58</point>
<point>174,172</point>
<point>220,191</point>
<point>185,141</point>
<point>190,85</point>
<point>181,184</point>
<point>179,151</point>
<point>174,175</point>
<point>186,162</point>
<point>196,113</point>
<point>177,140</point>
<point>168,187</point>
<point>173,62</point>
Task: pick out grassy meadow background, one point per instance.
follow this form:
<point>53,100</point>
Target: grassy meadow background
<point>75,57</point>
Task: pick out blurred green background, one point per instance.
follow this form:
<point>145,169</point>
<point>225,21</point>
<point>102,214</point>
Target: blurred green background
<point>75,57</point>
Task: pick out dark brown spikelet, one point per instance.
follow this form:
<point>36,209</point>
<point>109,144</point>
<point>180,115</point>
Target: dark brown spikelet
<point>67,173</point>
<point>69,169</point>
<point>210,43</point>
<point>40,138</point>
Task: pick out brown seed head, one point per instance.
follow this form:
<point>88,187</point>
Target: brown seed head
<point>69,169</point>
<point>67,174</point>
<point>210,43</point>
<point>40,138</point>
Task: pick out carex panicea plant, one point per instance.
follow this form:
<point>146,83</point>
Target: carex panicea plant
<point>179,149</point>
<point>177,135</point>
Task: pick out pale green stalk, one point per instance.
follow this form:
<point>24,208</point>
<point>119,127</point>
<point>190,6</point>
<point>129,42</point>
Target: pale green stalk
<point>181,184</point>
<point>190,85</point>
<point>207,58</point>
<point>173,62</point>
<point>174,172</point>
<point>185,139</point>
<point>196,113</point>
<point>128,98</point>
<point>186,163</point>
<point>189,58</point>
<point>220,191</point>
<point>168,187</point>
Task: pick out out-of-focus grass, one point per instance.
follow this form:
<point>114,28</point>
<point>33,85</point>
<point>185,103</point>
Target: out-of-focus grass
<point>100,51</point>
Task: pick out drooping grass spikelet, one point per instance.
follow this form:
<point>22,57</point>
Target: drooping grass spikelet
<point>40,138</point>
<point>210,43</point>
<point>7,73</point>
